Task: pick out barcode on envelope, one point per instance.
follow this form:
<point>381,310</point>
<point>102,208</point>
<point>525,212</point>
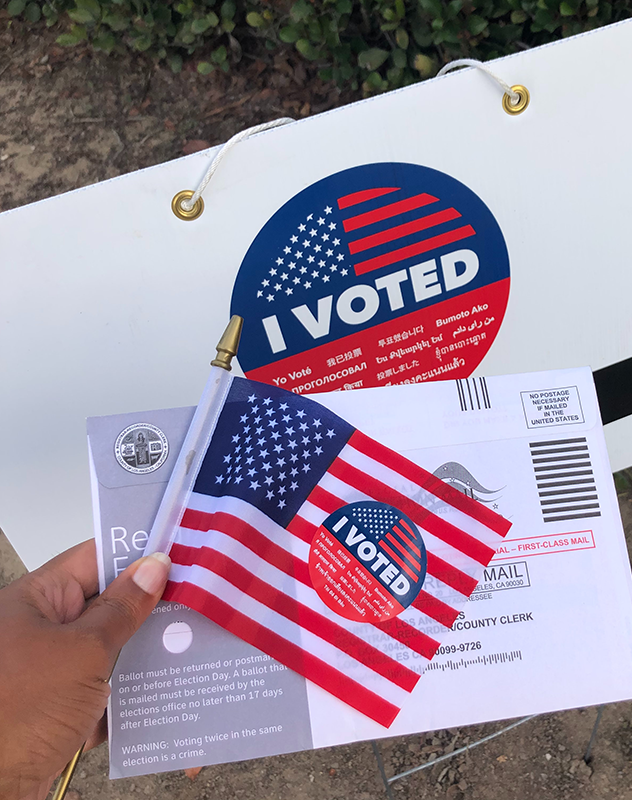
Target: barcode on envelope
<point>473,394</point>
<point>565,480</point>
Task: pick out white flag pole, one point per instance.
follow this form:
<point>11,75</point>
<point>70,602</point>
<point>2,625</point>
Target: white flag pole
<point>196,442</point>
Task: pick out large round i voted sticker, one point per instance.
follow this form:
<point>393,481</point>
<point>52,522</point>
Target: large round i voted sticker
<point>381,274</point>
<point>367,561</point>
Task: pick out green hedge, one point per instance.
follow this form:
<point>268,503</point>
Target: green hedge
<point>373,44</point>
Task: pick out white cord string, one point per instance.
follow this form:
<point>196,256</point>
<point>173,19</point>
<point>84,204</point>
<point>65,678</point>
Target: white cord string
<point>188,205</point>
<point>514,97</point>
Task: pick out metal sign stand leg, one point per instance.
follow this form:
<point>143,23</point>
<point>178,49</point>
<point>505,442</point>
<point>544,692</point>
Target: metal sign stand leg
<point>380,766</point>
<point>593,736</point>
<point>388,781</point>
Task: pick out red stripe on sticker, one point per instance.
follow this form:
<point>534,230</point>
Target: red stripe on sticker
<point>361,197</point>
<point>400,231</point>
<point>398,560</point>
<point>294,657</point>
<point>386,212</point>
<point>414,249</point>
<point>405,538</point>
<point>398,546</point>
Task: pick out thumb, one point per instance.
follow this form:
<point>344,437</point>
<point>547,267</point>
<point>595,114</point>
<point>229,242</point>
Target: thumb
<point>117,613</point>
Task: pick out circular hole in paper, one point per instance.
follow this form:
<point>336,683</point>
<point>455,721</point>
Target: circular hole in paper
<point>177,637</point>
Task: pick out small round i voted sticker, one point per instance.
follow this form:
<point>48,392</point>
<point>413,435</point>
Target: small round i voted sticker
<point>367,561</point>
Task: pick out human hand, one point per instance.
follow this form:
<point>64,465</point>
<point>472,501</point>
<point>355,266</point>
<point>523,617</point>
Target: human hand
<point>57,652</point>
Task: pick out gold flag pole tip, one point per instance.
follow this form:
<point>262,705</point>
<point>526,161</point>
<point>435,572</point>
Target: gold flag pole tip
<point>229,343</point>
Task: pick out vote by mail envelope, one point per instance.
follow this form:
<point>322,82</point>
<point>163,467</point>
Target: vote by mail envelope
<point>548,627</point>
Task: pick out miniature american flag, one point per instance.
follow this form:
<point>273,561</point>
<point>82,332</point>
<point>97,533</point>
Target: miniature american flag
<point>277,467</point>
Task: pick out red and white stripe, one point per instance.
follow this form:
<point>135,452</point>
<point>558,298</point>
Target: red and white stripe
<point>248,574</point>
<point>391,209</point>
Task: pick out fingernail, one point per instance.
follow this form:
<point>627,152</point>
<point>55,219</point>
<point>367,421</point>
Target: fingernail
<point>152,573</point>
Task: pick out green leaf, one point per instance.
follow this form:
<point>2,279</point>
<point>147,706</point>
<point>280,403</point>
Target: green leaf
<point>255,20</point>
<point>77,34</point>
<point>228,9</point>
<point>424,65</point>
<point>289,34</point>
<point>200,25</point>
<point>16,7</point>
<point>372,59</point>
<point>566,9</point>
<point>433,7</point>
<point>67,40</point>
<point>175,62</point>
<point>52,17</point>
<point>142,43</point>
<point>219,55</point>
<point>307,49</point>
<point>399,59</point>
<point>92,6</point>
<point>213,19</point>
<point>104,41</point>
<point>33,12</point>
<point>476,24</point>
<point>116,21</point>
<point>373,81</point>
<point>346,72</point>
<point>162,14</point>
<point>344,7</point>
<point>402,38</point>
<point>421,34</point>
<point>204,68</point>
<point>301,11</point>
<point>229,26</point>
<point>518,17</point>
<point>81,15</point>
<point>394,76</point>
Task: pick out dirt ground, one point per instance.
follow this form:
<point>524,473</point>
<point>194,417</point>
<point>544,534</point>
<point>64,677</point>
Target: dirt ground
<point>69,118</point>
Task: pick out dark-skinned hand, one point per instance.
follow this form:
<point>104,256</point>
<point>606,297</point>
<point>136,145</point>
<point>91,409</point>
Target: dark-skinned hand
<point>58,645</point>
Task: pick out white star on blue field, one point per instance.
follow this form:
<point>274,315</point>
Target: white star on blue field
<point>270,448</point>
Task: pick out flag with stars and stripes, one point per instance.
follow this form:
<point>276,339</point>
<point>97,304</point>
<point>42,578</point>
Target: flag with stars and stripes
<point>296,518</point>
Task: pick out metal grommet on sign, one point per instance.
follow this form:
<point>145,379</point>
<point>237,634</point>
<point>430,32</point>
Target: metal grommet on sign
<point>518,106</point>
<point>183,213</point>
